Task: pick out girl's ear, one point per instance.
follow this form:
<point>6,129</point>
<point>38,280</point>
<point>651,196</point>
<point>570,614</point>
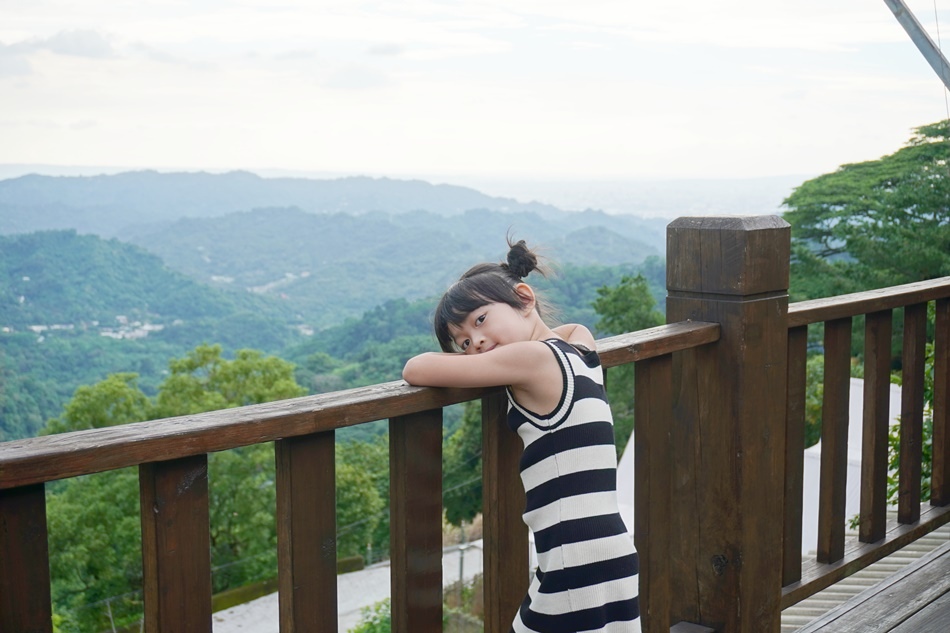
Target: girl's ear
<point>527,296</point>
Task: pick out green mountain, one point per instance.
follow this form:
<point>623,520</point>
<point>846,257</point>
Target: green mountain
<point>194,268</point>
<point>110,205</point>
<point>332,266</point>
<point>75,308</point>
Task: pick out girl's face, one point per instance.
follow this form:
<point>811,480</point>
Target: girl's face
<point>491,326</point>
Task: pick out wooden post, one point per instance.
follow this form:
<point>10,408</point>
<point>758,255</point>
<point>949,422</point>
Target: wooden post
<point>176,550</point>
<point>24,561</point>
<point>503,501</point>
<point>306,533</point>
<point>415,511</point>
<point>729,421</point>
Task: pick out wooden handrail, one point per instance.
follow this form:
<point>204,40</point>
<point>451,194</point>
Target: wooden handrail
<point>858,303</point>
<point>48,458</point>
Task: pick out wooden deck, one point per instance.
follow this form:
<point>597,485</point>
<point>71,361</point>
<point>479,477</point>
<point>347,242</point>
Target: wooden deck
<point>915,600</point>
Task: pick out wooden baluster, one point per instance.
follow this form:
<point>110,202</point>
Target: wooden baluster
<point>306,533</point>
<point>834,441</point>
<point>940,474</point>
<point>176,555</point>
<point>415,444</point>
<point>505,560</point>
<point>912,413</point>
<point>794,454</point>
<point>25,604</point>
<point>877,380</point>
<point>653,412</point>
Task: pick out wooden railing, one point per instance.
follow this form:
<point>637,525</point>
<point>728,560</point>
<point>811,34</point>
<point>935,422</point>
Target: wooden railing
<point>174,490</point>
<point>877,537</point>
<point>717,472</point>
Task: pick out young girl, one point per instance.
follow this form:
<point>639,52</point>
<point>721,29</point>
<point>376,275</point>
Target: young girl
<point>491,331</point>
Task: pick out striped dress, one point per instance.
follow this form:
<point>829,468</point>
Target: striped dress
<point>587,577</point>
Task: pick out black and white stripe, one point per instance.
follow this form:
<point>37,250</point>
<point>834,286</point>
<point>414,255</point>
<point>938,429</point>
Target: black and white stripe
<point>588,567</point>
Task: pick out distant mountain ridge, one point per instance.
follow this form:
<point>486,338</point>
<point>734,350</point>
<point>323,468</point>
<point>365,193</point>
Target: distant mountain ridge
<point>323,249</point>
<point>110,204</point>
<point>330,266</point>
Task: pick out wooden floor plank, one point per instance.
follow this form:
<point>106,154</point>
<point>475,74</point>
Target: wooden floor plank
<point>934,618</point>
<point>894,601</point>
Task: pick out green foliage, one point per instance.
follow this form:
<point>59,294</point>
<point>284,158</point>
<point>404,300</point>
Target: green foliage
<point>462,467</point>
<point>115,400</point>
<point>362,494</point>
<point>60,277</point>
<point>814,395</point>
<point>876,223</point>
<point>203,381</point>
<point>243,505</point>
<point>95,537</point>
<point>376,618</point>
<point>81,288</point>
<point>95,545</point>
<point>626,307</point>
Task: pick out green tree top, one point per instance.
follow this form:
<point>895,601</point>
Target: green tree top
<point>626,307</point>
<point>875,223</point>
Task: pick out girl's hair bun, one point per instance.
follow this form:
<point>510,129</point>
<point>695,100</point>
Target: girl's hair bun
<point>521,261</point>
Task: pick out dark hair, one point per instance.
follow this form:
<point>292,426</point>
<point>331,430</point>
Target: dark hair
<point>483,284</point>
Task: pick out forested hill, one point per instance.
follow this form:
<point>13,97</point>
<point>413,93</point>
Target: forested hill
<point>109,205</point>
<point>328,267</point>
<point>65,279</point>
<point>76,308</point>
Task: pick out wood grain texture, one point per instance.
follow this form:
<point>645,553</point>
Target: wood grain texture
<point>794,454</point>
<point>834,440</point>
<point>940,474</point>
<point>48,458</point>
<point>912,413</point>
<point>912,599</point>
<point>730,403</point>
<point>25,604</point>
<point>415,520</point>
<point>851,305</point>
<point>306,533</point>
<point>877,389</point>
<point>653,495</point>
<point>176,547</point>
<point>857,555</point>
<point>505,535</point>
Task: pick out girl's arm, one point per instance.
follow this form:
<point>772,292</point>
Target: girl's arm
<point>521,364</point>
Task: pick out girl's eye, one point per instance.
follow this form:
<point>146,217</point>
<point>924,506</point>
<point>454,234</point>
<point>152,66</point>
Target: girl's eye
<point>480,319</point>
<point>465,344</point>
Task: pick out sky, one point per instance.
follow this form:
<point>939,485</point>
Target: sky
<point>530,89</point>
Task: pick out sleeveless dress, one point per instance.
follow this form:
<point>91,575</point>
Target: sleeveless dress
<point>587,577</point>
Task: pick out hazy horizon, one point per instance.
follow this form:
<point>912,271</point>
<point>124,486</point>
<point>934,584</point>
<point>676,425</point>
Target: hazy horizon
<point>645,197</point>
<point>532,91</point>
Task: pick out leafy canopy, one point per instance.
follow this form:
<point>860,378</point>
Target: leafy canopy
<point>875,223</point>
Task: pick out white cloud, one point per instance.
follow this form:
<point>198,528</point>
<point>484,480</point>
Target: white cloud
<point>78,43</point>
<point>536,87</point>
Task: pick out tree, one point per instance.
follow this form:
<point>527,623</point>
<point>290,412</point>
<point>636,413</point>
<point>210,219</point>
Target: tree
<point>203,381</point>
<point>875,223</point>
<point>462,467</point>
<point>626,307</point>
<point>362,493</point>
<point>115,400</point>
<point>94,521</point>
